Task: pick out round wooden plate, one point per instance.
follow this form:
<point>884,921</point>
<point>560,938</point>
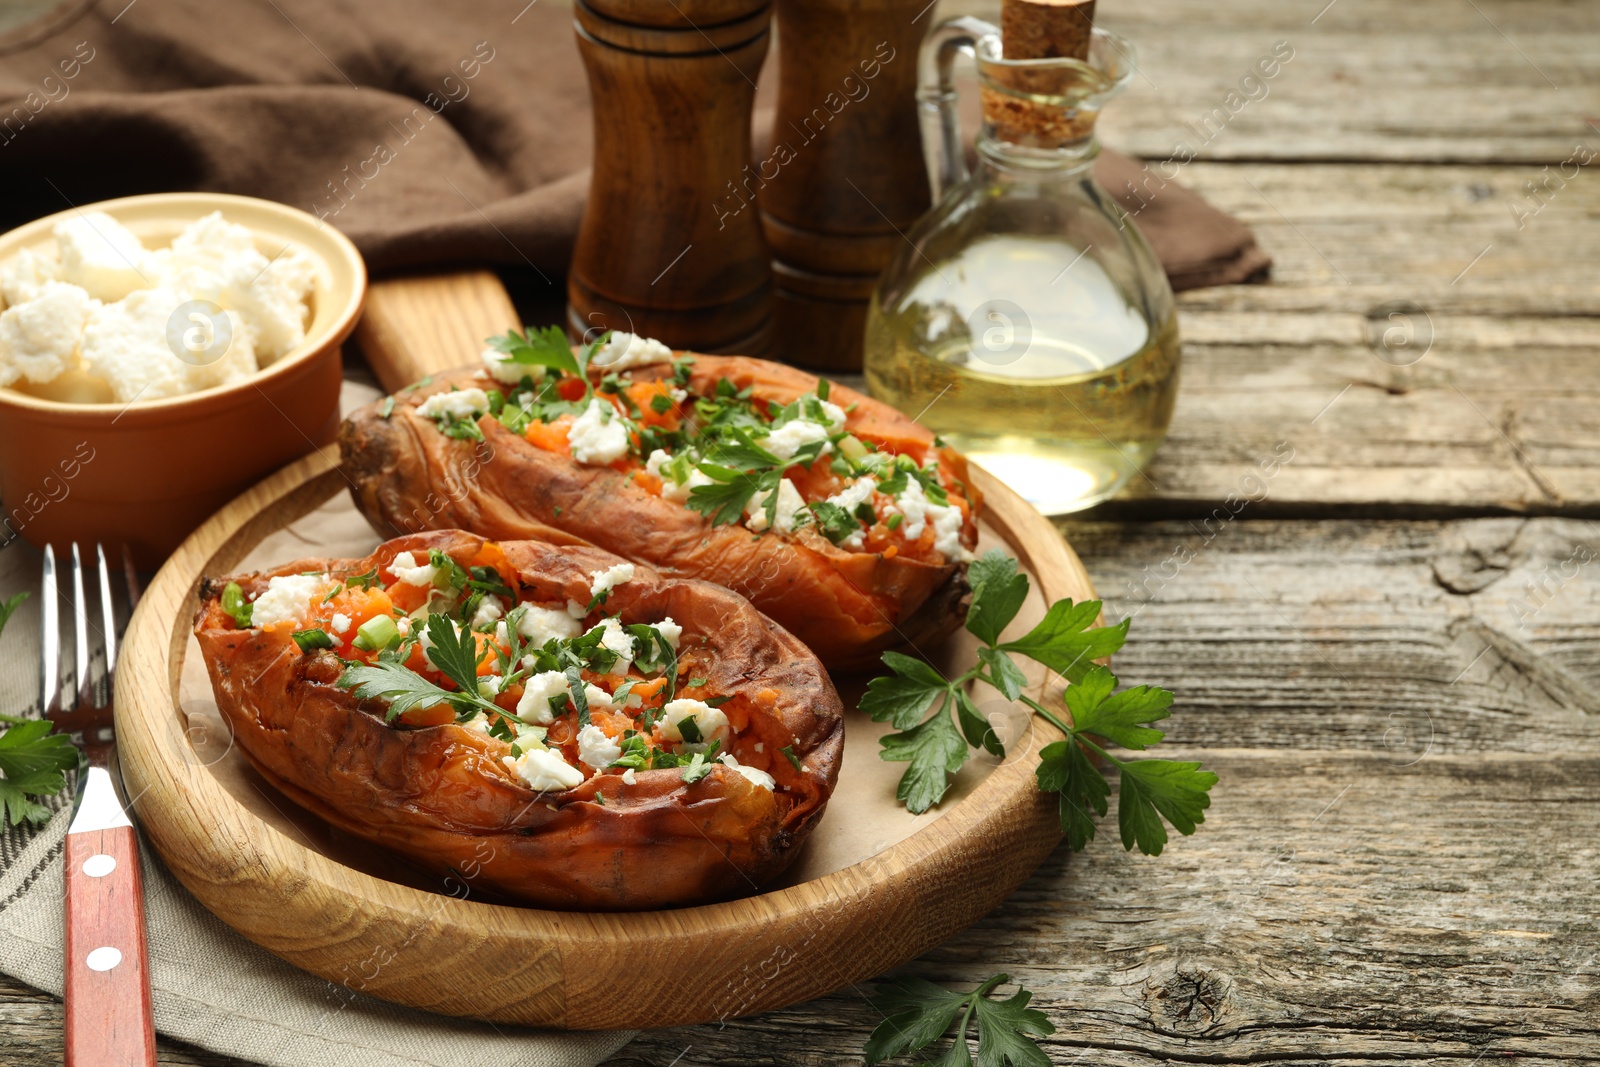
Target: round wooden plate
<point>443,953</point>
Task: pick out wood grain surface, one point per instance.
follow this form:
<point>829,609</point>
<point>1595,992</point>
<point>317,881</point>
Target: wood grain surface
<point>1346,903</point>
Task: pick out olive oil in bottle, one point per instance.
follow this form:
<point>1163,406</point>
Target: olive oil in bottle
<point>1024,318</point>
<point>1024,354</point>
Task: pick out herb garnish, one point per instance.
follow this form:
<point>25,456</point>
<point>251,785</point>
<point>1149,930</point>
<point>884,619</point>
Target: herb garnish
<point>917,1013</point>
<point>33,759</point>
<point>936,744</point>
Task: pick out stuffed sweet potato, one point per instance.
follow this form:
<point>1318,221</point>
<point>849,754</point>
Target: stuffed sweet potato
<point>550,724</point>
<point>836,515</point>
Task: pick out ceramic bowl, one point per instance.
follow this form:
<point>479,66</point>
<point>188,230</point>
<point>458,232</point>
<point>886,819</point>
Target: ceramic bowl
<point>146,473</point>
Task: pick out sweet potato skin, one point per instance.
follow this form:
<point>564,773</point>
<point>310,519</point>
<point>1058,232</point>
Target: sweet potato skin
<point>848,607</point>
<point>440,796</point>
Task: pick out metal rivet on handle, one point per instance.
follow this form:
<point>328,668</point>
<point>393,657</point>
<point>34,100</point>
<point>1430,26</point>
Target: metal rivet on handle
<point>99,865</point>
<point>103,958</point>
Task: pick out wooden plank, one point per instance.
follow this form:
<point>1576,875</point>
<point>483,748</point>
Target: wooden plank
<point>1337,910</point>
<point>1368,80</point>
<point>1416,349</point>
<point>1392,869</point>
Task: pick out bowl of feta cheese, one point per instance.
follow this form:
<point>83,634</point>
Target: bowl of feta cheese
<point>159,354</point>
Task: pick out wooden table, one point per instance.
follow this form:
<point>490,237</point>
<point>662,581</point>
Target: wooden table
<point>1389,649</point>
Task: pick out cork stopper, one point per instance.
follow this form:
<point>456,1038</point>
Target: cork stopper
<point>1046,29</point>
<point>1039,29</point>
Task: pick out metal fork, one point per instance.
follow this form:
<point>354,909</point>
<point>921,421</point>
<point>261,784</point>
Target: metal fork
<point>108,1021</point>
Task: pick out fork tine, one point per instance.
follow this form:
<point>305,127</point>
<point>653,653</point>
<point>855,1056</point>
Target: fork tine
<point>80,630</point>
<point>107,616</point>
<point>50,637</point>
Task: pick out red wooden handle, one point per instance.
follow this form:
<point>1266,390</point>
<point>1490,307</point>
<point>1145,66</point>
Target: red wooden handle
<point>108,966</point>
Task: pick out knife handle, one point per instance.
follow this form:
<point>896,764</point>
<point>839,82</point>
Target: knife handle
<point>108,964</point>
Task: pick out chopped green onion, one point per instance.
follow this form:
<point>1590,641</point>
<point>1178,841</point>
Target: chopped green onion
<point>377,634</point>
<point>893,521</point>
<point>234,603</point>
<point>852,448</point>
<point>312,639</point>
<point>823,387</point>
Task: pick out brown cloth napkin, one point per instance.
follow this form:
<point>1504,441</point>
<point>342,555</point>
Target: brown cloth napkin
<point>431,133</point>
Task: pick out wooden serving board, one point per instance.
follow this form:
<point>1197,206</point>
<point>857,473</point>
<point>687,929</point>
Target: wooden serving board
<point>873,888</point>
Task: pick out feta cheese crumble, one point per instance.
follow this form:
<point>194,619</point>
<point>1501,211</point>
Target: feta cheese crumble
<point>711,722</point>
<point>502,369</point>
<point>913,503</point>
<point>596,749</point>
<point>851,497</point>
<point>340,622</point>
<point>671,488</point>
<point>128,343</point>
<point>102,255</point>
<point>624,351</point>
<point>455,404</point>
<point>756,775</point>
<point>287,599</point>
<point>24,276</point>
<point>490,608</point>
<point>599,436</point>
<point>794,435</point>
<point>618,640</point>
<point>608,579</point>
<point>790,507</point>
<point>39,336</point>
<point>406,569</point>
<point>537,693</point>
<point>542,625</point>
<point>544,769</point>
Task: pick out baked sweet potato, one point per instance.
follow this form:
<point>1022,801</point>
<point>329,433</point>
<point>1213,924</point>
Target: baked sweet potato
<point>688,766</point>
<point>860,546</point>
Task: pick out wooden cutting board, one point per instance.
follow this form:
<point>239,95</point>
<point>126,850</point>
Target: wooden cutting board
<point>874,888</point>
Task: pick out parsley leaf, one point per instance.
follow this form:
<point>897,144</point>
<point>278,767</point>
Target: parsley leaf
<point>833,521</point>
<point>538,348</point>
<point>935,749</point>
<point>9,606</point>
<point>388,678</point>
<point>1064,641</point>
<point>917,1013</point>
<point>33,762</point>
<point>404,689</point>
<point>904,697</point>
<point>454,652</point>
<point>725,499</point>
<point>1151,790</point>
<point>939,721</point>
<point>997,594</point>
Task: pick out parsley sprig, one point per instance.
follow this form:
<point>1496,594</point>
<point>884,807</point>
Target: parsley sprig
<point>918,701</point>
<point>917,1013</point>
<point>454,652</point>
<point>33,764</point>
<point>33,759</point>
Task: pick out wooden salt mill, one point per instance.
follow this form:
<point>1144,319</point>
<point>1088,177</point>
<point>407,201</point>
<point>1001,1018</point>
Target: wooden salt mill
<point>843,177</point>
<point>672,87</point>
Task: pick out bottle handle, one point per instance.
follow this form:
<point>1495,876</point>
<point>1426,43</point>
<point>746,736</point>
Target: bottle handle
<point>942,150</point>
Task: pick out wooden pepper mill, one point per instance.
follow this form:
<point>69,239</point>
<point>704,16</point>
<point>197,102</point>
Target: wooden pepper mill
<point>672,87</point>
<point>843,177</point>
